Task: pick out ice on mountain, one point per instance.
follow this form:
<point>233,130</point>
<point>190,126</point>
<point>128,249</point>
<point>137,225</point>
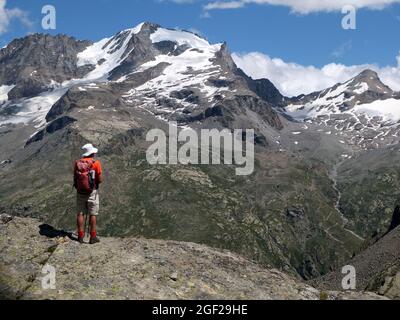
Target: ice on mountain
<point>388,110</point>
<point>180,37</point>
<point>4,90</point>
<point>36,108</point>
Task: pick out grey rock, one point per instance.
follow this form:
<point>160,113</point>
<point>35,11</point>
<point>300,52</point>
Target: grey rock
<point>5,218</point>
<point>123,269</point>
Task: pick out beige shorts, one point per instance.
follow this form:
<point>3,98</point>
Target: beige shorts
<point>88,204</point>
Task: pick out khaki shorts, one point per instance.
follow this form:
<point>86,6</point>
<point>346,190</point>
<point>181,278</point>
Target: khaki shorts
<point>88,204</point>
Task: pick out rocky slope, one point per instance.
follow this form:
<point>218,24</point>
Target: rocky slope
<point>377,268</point>
<point>132,268</point>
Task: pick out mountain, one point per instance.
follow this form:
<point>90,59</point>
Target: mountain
<point>363,111</point>
<point>171,74</point>
<point>134,268</point>
<point>314,197</point>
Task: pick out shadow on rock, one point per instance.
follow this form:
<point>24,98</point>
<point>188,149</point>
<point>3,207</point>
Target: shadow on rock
<point>51,232</point>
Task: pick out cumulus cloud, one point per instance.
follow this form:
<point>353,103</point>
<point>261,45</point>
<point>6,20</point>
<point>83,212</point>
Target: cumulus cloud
<point>303,6</point>
<point>6,15</point>
<point>293,79</point>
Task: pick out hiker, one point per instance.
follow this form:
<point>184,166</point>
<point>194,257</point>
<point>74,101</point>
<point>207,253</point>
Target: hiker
<point>87,177</point>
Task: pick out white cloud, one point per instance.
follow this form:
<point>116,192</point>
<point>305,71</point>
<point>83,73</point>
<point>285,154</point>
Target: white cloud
<point>293,79</point>
<point>303,6</point>
<point>342,49</point>
<point>225,5</point>
<point>6,15</point>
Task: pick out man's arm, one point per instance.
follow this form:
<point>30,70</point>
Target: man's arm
<point>99,173</point>
<point>74,175</point>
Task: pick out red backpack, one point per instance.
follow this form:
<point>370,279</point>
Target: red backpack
<point>84,176</point>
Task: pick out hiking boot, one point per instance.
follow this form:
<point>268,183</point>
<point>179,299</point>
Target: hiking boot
<point>80,240</point>
<point>94,240</point>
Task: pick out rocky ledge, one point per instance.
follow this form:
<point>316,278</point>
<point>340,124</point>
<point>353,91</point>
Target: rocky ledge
<point>131,268</point>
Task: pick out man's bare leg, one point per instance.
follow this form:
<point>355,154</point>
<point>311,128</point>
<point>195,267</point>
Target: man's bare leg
<point>80,220</point>
<point>93,225</point>
<point>93,230</point>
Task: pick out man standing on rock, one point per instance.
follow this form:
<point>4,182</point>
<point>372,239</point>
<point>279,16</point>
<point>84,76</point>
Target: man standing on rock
<point>87,178</point>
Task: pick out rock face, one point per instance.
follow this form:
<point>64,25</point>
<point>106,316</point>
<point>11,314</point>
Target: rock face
<point>377,268</point>
<point>132,268</point>
<point>33,62</point>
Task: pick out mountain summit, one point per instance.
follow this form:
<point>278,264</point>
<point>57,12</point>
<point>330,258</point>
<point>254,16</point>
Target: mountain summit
<point>362,109</point>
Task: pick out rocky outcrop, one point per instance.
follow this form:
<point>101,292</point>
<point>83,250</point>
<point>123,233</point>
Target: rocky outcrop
<point>135,269</point>
<point>265,89</point>
<point>395,219</point>
<point>52,127</point>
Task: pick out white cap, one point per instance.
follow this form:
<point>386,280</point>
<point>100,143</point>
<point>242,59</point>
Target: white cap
<point>89,149</point>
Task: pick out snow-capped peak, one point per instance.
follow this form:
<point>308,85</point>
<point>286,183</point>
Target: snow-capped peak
<point>363,89</point>
<point>362,109</point>
<point>108,53</point>
<point>136,29</point>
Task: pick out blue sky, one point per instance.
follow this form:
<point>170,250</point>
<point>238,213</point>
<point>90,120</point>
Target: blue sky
<point>305,38</point>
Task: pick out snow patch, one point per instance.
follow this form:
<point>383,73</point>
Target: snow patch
<point>361,88</point>
<point>388,110</point>
<point>178,74</point>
